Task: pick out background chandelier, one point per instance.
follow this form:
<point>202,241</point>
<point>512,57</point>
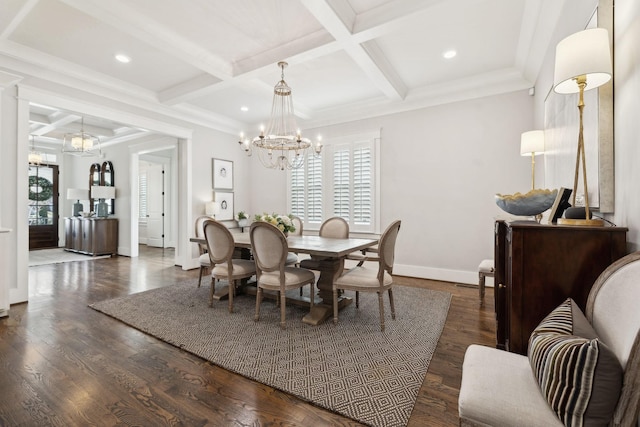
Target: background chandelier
<point>281,145</point>
<point>81,144</point>
<point>35,157</point>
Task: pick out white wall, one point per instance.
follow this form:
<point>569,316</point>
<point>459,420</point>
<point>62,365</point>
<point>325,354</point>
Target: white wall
<point>626,83</point>
<point>626,114</point>
<point>441,168</point>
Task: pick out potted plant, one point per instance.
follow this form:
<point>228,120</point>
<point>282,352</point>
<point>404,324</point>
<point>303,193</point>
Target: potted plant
<point>242,219</point>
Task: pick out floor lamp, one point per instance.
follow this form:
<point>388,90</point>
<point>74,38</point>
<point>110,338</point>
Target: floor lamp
<point>532,144</point>
<point>583,62</point>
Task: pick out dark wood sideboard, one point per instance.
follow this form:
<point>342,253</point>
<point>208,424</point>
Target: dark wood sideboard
<point>91,236</point>
<point>539,266</point>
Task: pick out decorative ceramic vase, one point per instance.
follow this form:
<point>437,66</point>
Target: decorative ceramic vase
<point>242,222</point>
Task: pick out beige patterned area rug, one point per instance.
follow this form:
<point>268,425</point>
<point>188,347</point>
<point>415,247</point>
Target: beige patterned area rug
<point>350,368</point>
<point>55,256</point>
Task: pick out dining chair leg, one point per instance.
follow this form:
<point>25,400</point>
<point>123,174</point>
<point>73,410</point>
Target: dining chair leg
<point>283,310</point>
<point>393,309</point>
<point>258,301</point>
<point>232,290</point>
<point>357,299</point>
<point>381,305</point>
<point>200,277</point>
<point>212,291</point>
<point>335,305</point>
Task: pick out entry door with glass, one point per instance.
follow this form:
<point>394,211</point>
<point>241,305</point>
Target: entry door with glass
<point>43,206</point>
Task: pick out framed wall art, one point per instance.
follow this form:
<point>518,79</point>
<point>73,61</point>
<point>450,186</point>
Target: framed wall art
<point>222,173</point>
<point>225,203</point>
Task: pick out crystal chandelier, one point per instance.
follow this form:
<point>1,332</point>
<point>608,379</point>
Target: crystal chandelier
<point>281,145</point>
<point>81,144</point>
<point>35,157</point>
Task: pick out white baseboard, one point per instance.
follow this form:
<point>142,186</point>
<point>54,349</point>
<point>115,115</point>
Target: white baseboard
<point>445,275</point>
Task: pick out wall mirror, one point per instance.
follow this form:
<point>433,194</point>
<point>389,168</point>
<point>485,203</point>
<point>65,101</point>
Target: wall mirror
<point>94,179</point>
<point>103,175</point>
<point>108,180</point>
<point>561,123</point>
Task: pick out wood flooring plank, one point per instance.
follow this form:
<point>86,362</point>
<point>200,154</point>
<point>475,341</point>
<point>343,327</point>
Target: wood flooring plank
<point>66,364</point>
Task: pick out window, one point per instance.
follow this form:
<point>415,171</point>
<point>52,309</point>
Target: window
<point>142,196</point>
<point>342,182</point>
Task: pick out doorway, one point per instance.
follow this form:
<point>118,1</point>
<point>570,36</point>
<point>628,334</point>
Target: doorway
<point>43,206</point>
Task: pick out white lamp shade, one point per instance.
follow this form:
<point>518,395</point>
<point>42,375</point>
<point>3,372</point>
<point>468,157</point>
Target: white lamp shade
<point>532,143</point>
<point>103,192</point>
<point>212,208</point>
<point>584,53</point>
<point>77,194</point>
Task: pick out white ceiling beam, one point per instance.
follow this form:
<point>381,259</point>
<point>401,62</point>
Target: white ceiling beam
<point>369,59</point>
<point>56,124</point>
<point>124,138</point>
<point>302,49</point>
<point>126,19</point>
<point>18,18</point>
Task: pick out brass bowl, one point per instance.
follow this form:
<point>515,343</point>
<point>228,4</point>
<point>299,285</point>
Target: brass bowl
<point>533,203</point>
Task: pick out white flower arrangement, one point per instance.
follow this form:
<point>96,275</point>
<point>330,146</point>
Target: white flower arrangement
<point>283,222</point>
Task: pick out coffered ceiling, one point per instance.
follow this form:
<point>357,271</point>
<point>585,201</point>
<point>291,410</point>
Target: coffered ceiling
<point>204,60</point>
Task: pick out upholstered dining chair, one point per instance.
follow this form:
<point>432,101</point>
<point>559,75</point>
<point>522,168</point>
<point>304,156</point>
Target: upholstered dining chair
<point>270,251</point>
<point>203,259</point>
<point>292,257</point>
<point>366,278</point>
<point>220,246</point>
<point>335,228</point>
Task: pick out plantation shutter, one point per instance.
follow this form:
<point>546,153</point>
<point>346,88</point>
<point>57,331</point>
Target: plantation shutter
<point>341,182</point>
<point>142,195</point>
<point>297,193</point>
<point>314,193</point>
<point>362,185</point>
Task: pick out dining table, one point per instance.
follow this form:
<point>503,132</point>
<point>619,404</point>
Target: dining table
<point>329,255</point>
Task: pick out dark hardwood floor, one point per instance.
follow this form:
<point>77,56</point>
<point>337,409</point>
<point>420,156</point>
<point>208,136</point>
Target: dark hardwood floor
<point>64,364</point>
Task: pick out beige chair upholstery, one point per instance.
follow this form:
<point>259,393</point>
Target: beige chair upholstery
<point>220,246</point>
<point>335,228</point>
<point>365,278</point>
<point>499,388</point>
<point>292,257</point>
<point>270,250</point>
<point>205,263</point>
<point>485,269</point>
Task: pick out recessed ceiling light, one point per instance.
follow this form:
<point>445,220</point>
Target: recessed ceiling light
<point>244,108</point>
<point>123,58</point>
<point>448,54</point>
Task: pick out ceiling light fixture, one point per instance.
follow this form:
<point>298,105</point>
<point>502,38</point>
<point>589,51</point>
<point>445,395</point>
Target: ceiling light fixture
<point>448,54</point>
<point>120,57</point>
<point>244,108</point>
<point>81,144</point>
<point>35,157</point>
<point>281,145</point>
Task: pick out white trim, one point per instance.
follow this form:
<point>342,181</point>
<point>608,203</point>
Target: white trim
<point>445,275</point>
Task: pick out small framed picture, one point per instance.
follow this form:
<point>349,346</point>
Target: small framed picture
<point>225,203</point>
<point>222,172</point>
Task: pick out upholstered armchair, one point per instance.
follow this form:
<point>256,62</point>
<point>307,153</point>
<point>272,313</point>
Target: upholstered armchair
<point>581,369</point>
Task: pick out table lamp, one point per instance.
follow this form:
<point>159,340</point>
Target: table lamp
<point>101,193</point>
<point>77,194</point>
<point>583,62</point>
<point>532,144</point>
<point>212,209</point>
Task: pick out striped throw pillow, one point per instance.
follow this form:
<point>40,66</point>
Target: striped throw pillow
<point>579,376</point>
